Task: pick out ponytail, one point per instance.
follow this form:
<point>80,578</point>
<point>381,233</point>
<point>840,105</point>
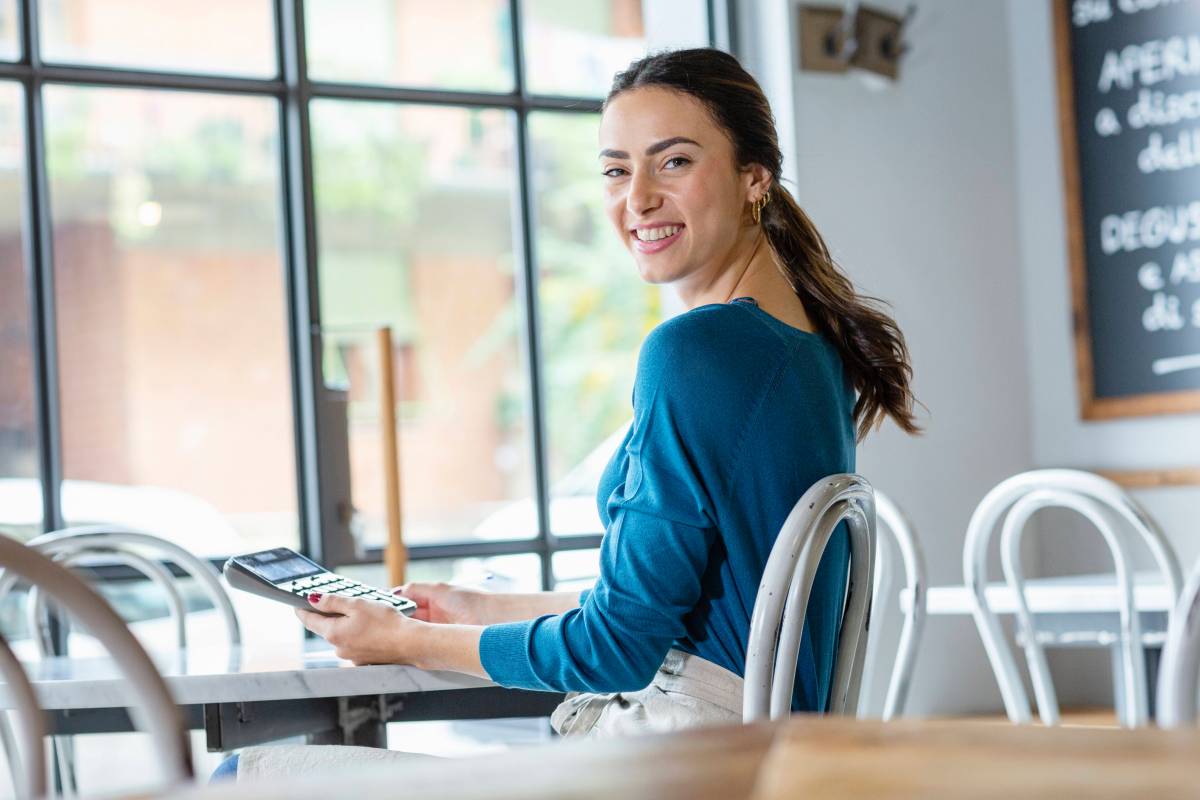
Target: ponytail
<point>870,344</point>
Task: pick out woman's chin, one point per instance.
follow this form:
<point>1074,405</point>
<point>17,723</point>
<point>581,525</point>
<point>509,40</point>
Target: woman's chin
<point>654,273</point>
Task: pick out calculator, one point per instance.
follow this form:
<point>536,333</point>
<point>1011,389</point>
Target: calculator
<point>285,575</point>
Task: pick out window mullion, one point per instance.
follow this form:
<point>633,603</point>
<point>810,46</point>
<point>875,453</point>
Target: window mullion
<point>300,275</point>
<point>527,256</point>
<point>39,264</point>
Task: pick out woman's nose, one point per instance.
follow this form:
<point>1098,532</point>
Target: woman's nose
<point>643,195</point>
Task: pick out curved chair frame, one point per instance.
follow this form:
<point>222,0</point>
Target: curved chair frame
<point>777,622</point>
<point>38,614</point>
<point>1177,671</point>
<point>1135,712</point>
<point>118,538</point>
<point>28,766</point>
<point>155,709</point>
<point>897,525</point>
<point>983,521</point>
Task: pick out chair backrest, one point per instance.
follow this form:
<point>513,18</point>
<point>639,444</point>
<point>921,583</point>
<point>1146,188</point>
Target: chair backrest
<point>777,622</point>
<point>1180,662</point>
<point>28,762</point>
<point>129,542</point>
<point>155,710</point>
<point>1099,500</point>
<point>891,521</point>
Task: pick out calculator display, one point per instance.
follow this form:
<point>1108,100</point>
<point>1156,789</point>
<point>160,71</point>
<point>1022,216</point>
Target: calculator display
<point>280,565</point>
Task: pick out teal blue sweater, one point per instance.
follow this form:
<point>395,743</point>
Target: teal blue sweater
<point>735,415</point>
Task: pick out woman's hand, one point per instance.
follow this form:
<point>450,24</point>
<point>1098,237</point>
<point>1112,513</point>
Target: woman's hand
<point>446,604</point>
<point>373,633</point>
<point>368,632</point>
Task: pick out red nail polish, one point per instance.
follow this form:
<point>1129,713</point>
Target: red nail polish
<point>314,597</point>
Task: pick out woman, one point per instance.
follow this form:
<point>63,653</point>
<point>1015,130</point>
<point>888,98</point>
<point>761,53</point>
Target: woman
<point>740,404</point>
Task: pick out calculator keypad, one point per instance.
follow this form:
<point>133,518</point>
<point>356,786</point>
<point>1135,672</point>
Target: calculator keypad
<point>330,583</point>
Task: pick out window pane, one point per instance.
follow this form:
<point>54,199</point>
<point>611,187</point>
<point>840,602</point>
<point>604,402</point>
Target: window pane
<point>575,570</point>
<point>595,311</point>
<point>10,47</point>
<point>466,44</point>
<point>414,211</point>
<point>214,36</point>
<point>575,48</point>
<point>172,345</point>
<point>20,489</point>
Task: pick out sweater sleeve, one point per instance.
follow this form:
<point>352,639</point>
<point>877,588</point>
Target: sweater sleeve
<point>651,563</point>
<point>653,555</point>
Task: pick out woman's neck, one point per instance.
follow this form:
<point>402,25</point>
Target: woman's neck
<point>757,274</point>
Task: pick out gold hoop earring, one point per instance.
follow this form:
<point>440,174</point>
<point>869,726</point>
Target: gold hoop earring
<point>757,207</point>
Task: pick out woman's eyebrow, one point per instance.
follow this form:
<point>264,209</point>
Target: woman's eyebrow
<point>657,147</point>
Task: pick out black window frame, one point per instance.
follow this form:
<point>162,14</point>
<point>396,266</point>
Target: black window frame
<point>293,90</point>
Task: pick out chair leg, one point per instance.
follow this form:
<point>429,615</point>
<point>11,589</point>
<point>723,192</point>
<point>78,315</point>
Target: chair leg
<point>1120,701</point>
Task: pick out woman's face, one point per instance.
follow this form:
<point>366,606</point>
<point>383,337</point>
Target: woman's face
<point>672,187</point>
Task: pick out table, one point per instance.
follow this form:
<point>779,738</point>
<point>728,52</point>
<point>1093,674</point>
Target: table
<point>267,692</point>
<point>1073,611</point>
<point>801,757</point>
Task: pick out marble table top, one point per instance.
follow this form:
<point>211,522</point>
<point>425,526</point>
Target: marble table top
<point>221,674</point>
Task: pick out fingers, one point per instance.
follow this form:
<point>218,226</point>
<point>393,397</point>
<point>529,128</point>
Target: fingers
<point>331,603</point>
<point>316,623</point>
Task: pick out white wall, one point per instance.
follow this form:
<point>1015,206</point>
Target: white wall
<point>914,188</point>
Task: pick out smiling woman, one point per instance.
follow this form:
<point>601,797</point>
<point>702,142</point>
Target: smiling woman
<point>739,405</point>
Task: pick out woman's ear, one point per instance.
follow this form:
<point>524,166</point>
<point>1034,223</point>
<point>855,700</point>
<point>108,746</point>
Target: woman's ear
<point>757,179</point>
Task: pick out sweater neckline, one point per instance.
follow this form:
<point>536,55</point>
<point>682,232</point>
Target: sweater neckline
<point>751,303</point>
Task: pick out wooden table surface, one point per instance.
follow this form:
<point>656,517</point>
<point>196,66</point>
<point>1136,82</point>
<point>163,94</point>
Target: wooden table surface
<point>803,757</point>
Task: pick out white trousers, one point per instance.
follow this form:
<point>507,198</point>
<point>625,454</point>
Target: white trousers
<point>686,692</point>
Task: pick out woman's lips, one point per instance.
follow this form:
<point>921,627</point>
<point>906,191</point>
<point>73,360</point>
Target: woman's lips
<point>658,245</point>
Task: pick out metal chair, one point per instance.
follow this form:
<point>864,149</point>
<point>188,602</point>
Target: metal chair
<point>891,521</point>
<point>1177,671</point>
<point>777,622</point>
<point>1102,503</point>
<point>154,711</point>
<point>115,544</point>
<point>28,762</point>
<point>127,546</point>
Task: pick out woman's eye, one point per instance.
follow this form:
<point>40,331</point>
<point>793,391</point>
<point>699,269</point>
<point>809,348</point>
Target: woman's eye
<point>680,160</point>
<point>613,172</point>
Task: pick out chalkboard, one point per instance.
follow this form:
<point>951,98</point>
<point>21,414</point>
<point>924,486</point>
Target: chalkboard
<point>1129,107</point>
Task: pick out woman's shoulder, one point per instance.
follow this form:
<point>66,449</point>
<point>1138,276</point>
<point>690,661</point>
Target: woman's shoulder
<point>737,336</point>
<point>714,355</point>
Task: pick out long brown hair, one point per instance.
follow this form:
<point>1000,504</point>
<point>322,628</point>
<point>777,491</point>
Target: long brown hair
<point>868,340</point>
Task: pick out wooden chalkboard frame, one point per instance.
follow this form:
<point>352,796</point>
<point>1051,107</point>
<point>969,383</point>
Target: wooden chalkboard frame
<point>1091,406</point>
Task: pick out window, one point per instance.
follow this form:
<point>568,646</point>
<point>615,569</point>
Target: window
<point>414,215</point>
<point>227,237</point>
<point>9,47</point>
<point>20,488</point>
<point>172,338</point>
<point>235,37</point>
<point>466,44</point>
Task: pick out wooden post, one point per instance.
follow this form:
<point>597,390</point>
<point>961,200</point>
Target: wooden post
<point>395,555</point>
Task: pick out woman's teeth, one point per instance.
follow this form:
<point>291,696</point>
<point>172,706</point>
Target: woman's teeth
<point>654,234</point>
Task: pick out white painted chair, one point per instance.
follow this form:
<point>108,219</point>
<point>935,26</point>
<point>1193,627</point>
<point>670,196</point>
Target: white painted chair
<point>27,762</point>
<point>154,710</point>
<point>131,547</point>
<point>892,523</point>
<point>777,622</point>
<point>143,552</point>
<point>1177,671</point>
<point>1115,515</point>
